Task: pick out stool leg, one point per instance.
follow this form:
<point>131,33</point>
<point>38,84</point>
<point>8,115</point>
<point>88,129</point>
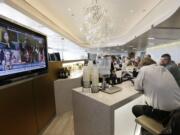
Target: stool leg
<point>135,129</point>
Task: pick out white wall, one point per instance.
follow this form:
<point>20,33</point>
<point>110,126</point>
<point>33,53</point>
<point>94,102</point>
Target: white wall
<point>173,49</point>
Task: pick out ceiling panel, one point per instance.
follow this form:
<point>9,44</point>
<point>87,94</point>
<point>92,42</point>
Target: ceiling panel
<point>166,32</point>
<point>69,13</point>
<point>124,15</point>
<point>129,18</point>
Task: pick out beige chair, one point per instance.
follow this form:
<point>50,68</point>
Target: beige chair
<point>151,125</point>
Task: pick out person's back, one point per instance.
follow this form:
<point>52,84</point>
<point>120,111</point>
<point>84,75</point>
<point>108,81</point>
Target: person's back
<point>159,86</point>
<point>173,68</point>
<point>161,91</point>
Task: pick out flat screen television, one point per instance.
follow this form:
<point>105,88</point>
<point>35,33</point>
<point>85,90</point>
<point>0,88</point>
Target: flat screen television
<point>54,56</point>
<point>22,51</point>
<point>58,58</point>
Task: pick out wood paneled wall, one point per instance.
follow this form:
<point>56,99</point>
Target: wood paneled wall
<point>27,108</point>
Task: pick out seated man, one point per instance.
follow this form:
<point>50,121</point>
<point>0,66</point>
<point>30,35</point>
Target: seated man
<point>161,91</point>
<point>179,65</point>
<point>171,66</point>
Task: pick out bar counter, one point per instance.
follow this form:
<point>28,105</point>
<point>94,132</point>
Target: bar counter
<point>105,114</point>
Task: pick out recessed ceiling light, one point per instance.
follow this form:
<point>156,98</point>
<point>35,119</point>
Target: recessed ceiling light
<point>151,38</point>
<point>130,46</point>
<point>81,29</point>
<point>131,11</point>
<point>69,9</point>
<point>135,48</point>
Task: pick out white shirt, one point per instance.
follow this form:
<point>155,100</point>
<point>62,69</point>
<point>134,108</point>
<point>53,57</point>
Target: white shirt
<point>159,86</point>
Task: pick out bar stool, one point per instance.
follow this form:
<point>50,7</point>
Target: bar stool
<point>151,125</point>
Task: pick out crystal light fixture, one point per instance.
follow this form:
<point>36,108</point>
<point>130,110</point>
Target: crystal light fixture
<point>96,24</point>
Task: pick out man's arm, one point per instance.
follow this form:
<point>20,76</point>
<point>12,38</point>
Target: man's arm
<point>139,81</point>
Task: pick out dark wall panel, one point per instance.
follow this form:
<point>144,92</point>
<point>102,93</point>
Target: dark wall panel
<point>27,107</point>
<point>17,116</point>
<point>44,101</point>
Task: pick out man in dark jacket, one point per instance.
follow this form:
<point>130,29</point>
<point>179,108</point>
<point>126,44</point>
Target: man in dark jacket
<point>171,66</point>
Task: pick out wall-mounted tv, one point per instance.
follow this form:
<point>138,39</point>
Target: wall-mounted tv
<point>22,51</point>
<point>54,56</point>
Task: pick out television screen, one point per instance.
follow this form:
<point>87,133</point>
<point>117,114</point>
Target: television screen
<point>22,51</point>
<point>58,58</point>
<point>54,56</point>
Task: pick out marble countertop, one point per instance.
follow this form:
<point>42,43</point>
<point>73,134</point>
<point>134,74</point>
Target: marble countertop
<point>124,96</point>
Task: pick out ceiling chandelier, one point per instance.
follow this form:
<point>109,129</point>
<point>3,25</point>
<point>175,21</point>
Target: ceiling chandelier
<point>96,24</point>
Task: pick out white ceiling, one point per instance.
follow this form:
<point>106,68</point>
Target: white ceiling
<point>130,18</point>
<point>165,34</point>
<point>119,10</point>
